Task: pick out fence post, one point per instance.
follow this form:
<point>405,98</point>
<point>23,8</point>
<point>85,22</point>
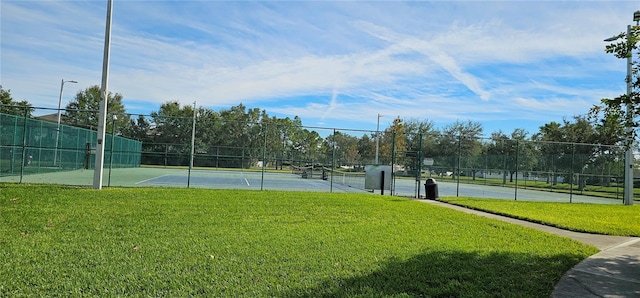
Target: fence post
<point>393,163</point>
<point>458,165</point>
<point>515,195</point>
<point>193,144</point>
<point>264,154</point>
<point>113,129</point>
<point>571,178</point>
<point>24,144</point>
<point>419,157</point>
<point>333,160</point>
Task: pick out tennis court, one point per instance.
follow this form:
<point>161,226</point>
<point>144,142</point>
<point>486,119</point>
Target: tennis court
<point>285,180</point>
<point>223,179</point>
<point>217,179</point>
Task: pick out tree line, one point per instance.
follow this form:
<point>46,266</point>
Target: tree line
<point>242,136</point>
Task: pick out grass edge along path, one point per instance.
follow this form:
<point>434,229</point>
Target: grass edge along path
<point>76,241</point>
<point>615,220</point>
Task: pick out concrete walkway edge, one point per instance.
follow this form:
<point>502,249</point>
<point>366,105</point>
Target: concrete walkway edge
<point>613,272</point>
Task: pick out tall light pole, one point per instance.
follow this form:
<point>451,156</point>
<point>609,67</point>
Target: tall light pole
<point>378,137</point>
<point>55,156</point>
<point>628,155</point>
<point>102,114</point>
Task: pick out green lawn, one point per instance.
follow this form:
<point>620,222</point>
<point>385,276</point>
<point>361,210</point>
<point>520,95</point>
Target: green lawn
<point>74,241</point>
<point>606,219</point>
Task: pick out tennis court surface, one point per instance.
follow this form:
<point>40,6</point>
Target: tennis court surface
<point>290,181</point>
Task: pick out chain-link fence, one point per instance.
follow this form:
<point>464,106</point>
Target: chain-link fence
<point>242,152</point>
<point>550,166</point>
<point>32,146</point>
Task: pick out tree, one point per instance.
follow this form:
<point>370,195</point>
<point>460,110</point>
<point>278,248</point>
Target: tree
<point>419,140</point>
<point>138,129</point>
<point>367,148</point>
<point>306,146</point>
<point>459,146</point>
<point>392,141</point>
<point>623,108</point>
<point>243,133</point>
<point>510,153</point>
<point>346,149</point>
<point>571,148</point>
<point>83,110</point>
<point>283,137</point>
<point>9,106</point>
<point>172,126</point>
<point>207,138</point>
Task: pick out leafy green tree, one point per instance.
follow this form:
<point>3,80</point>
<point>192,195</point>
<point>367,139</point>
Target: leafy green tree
<point>307,146</point>
<point>346,149</point>
<point>243,133</point>
<point>624,108</point>
<point>367,148</point>
<point>392,141</point>
<point>460,147</point>
<point>138,129</point>
<point>498,152</point>
<point>416,129</point>
<point>172,126</point>
<point>208,138</point>
<point>510,153</point>
<point>570,148</point>
<point>10,106</point>
<point>420,140</point>
<point>83,111</point>
<point>549,140</point>
<point>282,134</point>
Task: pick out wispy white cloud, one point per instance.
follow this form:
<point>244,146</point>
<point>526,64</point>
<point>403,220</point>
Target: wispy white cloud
<point>335,62</point>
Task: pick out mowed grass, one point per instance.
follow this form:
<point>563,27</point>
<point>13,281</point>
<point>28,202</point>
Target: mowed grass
<point>618,220</point>
<point>72,241</point>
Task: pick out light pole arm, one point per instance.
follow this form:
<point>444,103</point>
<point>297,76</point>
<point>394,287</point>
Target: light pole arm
<point>60,102</point>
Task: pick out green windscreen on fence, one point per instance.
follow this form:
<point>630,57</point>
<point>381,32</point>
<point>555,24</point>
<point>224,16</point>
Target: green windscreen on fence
<point>31,146</point>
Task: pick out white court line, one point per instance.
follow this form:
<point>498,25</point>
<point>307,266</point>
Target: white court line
<point>147,180</point>
<point>245,179</point>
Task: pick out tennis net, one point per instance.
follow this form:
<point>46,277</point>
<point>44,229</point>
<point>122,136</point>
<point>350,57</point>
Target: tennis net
<point>350,179</point>
<point>310,172</point>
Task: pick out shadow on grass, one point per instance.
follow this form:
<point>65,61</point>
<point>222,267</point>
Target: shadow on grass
<point>451,274</point>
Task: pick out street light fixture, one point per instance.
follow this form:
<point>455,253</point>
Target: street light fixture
<point>378,137</point>
<point>628,155</point>
<point>55,156</point>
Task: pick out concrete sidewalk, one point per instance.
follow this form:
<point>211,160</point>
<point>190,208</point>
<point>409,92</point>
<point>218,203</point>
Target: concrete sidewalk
<point>613,272</point>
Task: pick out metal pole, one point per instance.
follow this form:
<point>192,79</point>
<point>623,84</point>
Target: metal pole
<point>571,180</point>
<point>113,133</point>
<point>24,144</point>
<point>378,137</point>
<point>458,166</point>
<point>264,156</point>
<point>393,164</point>
<point>193,144</point>
<point>55,156</point>
<point>628,156</point>
<point>102,120</point>
<point>515,195</point>
<point>419,161</point>
<point>333,160</point>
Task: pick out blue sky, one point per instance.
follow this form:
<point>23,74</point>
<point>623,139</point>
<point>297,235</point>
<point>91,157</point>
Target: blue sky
<point>504,64</point>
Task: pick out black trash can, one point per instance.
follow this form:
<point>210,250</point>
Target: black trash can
<point>431,189</point>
